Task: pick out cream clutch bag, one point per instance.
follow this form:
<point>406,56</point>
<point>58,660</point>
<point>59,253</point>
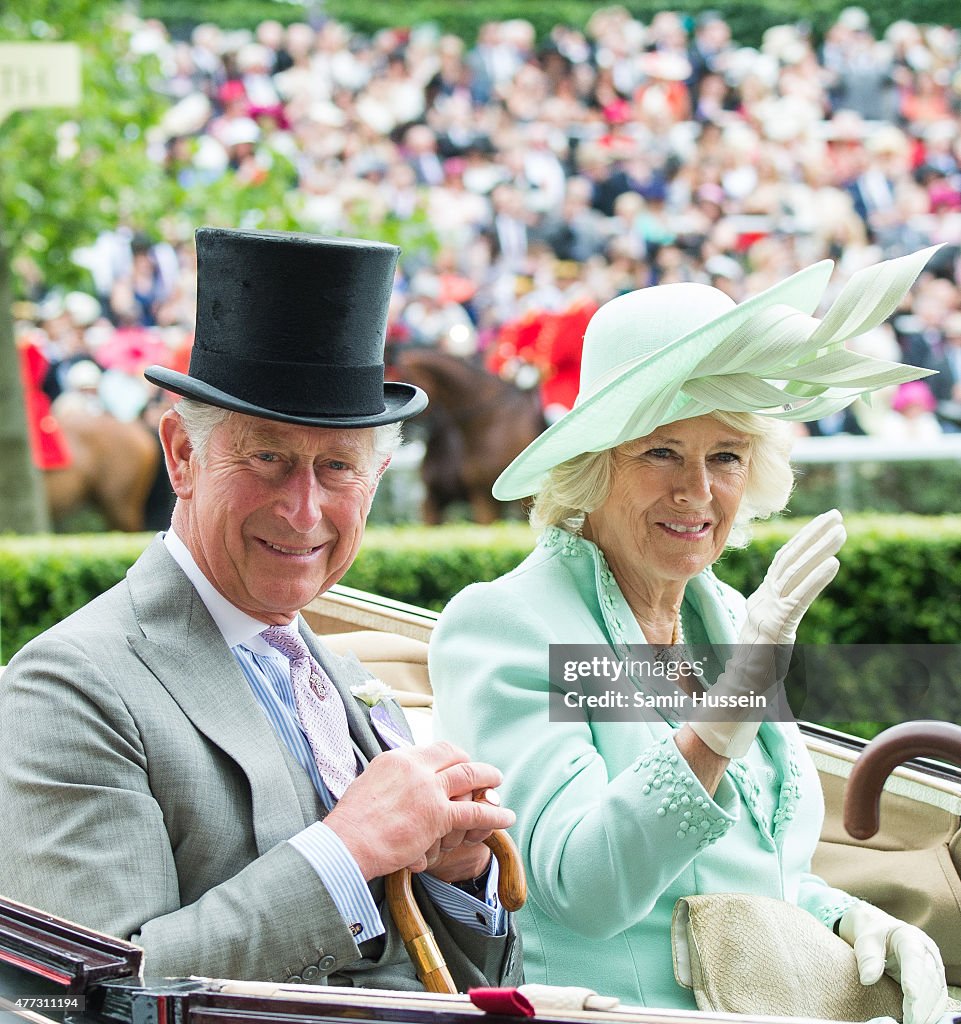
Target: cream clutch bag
<point>757,955</point>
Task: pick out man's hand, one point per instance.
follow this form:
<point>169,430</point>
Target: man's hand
<point>461,856</point>
<point>411,802</point>
<point>464,862</point>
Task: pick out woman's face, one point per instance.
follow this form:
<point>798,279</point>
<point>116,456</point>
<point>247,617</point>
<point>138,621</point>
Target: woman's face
<point>673,501</point>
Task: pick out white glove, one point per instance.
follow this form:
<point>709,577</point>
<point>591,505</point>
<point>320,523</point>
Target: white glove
<point>882,944</point>
<point>801,569</point>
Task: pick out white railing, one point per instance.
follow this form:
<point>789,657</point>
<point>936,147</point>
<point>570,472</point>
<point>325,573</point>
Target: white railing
<point>845,455</point>
<point>403,490</point>
<point>843,448</point>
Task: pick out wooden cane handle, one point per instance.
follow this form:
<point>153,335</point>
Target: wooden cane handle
<point>419,941</point>
<point>511,881</point>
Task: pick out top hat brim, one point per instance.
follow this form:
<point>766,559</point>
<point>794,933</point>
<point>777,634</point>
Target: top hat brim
<point>401,402</point>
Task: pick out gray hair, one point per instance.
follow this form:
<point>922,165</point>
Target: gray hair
<point>582,484</point>
<point>200,420</point>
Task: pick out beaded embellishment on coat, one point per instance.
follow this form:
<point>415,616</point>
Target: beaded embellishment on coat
<point>666,771</point>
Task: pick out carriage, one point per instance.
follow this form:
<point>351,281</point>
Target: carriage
<point>52,970</point>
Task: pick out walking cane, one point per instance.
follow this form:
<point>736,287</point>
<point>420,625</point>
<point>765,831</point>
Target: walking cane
<point>419,940</point>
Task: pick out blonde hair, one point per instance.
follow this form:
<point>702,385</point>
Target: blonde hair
<point>582,484</point>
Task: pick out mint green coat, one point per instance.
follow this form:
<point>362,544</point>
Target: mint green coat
<point>612,825</point>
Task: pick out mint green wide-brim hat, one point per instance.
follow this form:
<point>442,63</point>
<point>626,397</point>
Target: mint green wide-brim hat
<point>675,351</point>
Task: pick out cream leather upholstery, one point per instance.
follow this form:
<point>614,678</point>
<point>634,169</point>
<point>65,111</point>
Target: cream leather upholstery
<point>400,662</point>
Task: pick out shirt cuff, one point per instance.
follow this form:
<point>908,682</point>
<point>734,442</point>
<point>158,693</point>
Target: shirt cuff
<point>486,916</point>
<point>342,878</point>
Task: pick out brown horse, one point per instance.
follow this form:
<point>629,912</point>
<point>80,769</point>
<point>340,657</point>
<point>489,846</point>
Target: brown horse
<point>476,423</point>
<point>114,465</point>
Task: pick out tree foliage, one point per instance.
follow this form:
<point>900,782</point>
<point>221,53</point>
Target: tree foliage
<point>82,171</point>
<point>70,174</point>
<point>748,18</point>
<point>76,172</point>
<point>67,175</point>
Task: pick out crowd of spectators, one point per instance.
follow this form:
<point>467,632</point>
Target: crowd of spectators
<point>551,175</point>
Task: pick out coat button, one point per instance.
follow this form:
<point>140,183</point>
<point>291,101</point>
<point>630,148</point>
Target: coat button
<point>310,973</point>
<point>326,963</point>
<point>294,979</point>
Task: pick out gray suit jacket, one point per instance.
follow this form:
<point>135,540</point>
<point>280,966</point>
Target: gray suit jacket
<point>144,793</point>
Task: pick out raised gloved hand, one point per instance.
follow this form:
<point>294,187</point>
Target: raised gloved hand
<point>882,944</point>
<point>801,569</point>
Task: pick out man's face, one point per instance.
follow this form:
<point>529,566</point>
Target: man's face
<point>276,513</point>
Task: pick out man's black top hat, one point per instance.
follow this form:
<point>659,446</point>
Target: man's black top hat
<point>291,327</point>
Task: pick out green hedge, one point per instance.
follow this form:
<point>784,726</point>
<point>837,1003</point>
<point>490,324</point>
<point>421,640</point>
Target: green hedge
<point>900,579</point>
<point>748,18</point>
<point>899,583</point>
<point>44,578</point>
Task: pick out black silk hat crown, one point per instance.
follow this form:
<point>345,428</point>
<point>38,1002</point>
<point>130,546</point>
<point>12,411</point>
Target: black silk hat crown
<point>291,327</point>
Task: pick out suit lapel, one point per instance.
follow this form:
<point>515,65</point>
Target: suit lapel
<point>182,646</point>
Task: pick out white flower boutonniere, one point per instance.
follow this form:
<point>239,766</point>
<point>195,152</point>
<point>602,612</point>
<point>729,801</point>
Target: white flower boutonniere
<point>372,692</point>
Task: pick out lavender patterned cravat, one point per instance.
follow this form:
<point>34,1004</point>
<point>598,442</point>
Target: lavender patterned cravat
<point>320,709</point>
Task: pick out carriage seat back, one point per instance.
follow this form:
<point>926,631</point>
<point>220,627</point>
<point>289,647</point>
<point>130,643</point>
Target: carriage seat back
<point>400,662</point>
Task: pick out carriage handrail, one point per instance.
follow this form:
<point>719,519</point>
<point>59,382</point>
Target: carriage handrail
<point>894,746</point>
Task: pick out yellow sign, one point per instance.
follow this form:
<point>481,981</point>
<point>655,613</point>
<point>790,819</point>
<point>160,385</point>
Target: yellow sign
<point>38,75</point>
